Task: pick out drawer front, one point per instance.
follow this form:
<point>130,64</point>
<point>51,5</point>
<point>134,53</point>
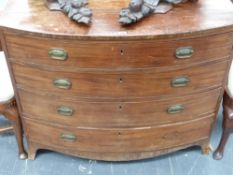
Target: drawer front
<point>118,114</point>
<point>121,84</point>
<point>119,140</point>
<point>68,54</point>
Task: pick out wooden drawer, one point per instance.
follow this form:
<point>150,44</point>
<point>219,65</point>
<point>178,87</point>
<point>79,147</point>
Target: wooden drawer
<point>119,140</point>
<point>121,84</point>
<point>117,55</point>
<point>118,114</point>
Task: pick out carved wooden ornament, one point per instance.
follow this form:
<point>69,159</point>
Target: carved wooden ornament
<point>138,9</point>
<point>78,11</point>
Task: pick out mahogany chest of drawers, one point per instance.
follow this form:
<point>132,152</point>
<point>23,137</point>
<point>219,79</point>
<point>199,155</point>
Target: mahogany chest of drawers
<point>109,92</point>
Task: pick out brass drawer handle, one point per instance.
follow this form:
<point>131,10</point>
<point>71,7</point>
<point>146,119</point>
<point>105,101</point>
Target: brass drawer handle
<point>65,110</point>
<point>68,137</point>
<point>62,83</point>
<point>58,54</point>
<point>184,52</point>
<point>180,81</point>
<point>175,109</point>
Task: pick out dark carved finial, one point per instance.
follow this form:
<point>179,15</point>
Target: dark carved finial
<point>77,10</point>
<point>139,9</point>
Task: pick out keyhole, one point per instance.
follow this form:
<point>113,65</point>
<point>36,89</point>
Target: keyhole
<point>119,133</point>
<point>121,80</point>
<point>120,107</point>
<point>122,52</point>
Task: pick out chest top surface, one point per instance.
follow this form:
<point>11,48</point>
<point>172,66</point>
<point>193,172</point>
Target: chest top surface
<point>187,18</point>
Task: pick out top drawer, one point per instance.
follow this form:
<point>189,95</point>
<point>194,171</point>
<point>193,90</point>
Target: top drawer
<point>117,54</point>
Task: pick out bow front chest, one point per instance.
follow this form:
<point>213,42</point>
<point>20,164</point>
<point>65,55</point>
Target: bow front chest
<point>110,92</point>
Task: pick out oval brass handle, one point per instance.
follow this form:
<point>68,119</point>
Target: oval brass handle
<point>175,109</point>
<point>62,83</point>
<point>184,52</point>
<point>58,54</point>
<point>180,81</point>
<point>65,110</point>
<point>68,137</point>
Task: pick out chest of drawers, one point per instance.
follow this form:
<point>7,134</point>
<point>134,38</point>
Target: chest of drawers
<point>112,93</point>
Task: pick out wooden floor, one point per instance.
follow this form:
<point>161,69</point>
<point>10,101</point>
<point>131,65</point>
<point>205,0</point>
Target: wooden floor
<point>185,162</point>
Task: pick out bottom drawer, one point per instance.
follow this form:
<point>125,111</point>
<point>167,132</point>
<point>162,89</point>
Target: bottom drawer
<point>109,141</point>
